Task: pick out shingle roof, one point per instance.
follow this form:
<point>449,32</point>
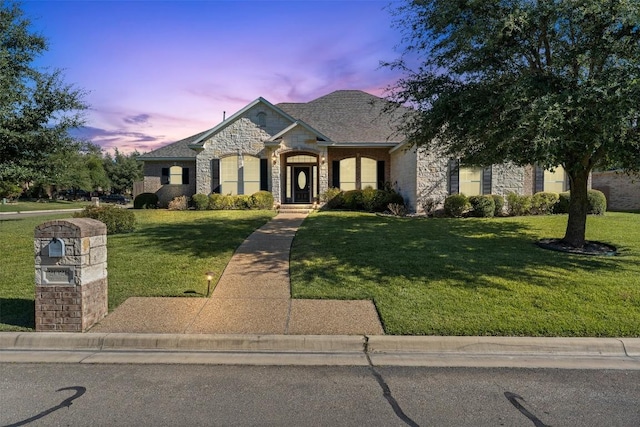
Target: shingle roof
<point>347,116</point>
<point>177,150</point>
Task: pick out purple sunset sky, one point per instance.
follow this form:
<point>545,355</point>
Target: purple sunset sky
<point>160,71</point>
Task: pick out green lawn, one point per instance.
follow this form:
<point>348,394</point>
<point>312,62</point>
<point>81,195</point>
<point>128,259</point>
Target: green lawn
<point>168,255</point>
<point>473,276</point>
<point>22,206</point>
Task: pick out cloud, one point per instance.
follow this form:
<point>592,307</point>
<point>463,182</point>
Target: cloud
<point>138,119</point>
<point>125,140</point>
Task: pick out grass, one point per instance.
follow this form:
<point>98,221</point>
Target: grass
<point>168,255</point>
<point>473,276</point>
<point>22,206</point>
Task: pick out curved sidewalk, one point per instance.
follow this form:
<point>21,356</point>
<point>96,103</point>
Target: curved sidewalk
<point>253,296</point>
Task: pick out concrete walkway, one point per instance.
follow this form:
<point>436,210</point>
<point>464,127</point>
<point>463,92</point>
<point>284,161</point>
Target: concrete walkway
<point>253,296</point>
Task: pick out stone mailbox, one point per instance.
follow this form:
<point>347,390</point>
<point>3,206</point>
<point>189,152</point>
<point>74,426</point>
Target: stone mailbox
<point>71,274</point>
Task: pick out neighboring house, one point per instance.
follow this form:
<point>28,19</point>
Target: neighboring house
<point>298,150</point>
<point>622,190</point>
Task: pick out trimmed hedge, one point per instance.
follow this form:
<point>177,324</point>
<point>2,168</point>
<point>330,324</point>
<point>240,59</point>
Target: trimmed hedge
<point>118,220</point>
<point>200,202</point>
<point>482,206</point>
<point>146,201</point>
<point>367,200</point>
<point>262,200</point>
<point>455,205</point>
<point>597,203</point>
<point>518,205</point>
<point>544,203</point>
<point>499,205</point>
<point>259,200</point>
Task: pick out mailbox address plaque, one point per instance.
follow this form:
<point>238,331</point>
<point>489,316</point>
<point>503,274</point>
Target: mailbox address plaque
<point>58,275</point>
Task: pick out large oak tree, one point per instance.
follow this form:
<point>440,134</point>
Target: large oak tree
<point>37,108</point>
<point>545,82</point>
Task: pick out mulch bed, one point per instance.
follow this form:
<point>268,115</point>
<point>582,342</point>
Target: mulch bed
<point>589,248</point>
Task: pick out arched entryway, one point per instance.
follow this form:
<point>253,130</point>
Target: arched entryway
<point>301,177</point>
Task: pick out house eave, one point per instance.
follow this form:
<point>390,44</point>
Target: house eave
<point>166,159</point>
<point>357,144</point>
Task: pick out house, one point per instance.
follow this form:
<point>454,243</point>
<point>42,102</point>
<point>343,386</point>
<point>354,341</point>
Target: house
<point>298,150</point>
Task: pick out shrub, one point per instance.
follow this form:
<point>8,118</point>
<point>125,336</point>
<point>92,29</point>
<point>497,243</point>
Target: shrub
<point>562,207</point>
<point>146,201</point>
<point>200,202</point>
<point>179,203</point>
<point>429,205</point>
<point>117,220</point>
<point>370,199</point>
<point>9,190</point>
<point>544,203</point>
<point>455,205</point>
<point>482,206</point>
<point>241,201</point>
<point>335,202</point>
<point>518,205</point>
<point>353,200</point>
<point>499,204</point>
<point>329,194</point>
<point>262,200</point>
<point>597,202</point>
<point>397,209</point>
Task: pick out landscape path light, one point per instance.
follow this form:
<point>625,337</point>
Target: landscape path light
<point>209,279</point>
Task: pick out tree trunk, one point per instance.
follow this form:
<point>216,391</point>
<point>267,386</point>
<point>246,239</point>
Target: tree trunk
<point>578,207</point>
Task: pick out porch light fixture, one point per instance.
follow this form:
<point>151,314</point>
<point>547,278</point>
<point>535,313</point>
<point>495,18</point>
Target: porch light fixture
<point>209,279</point>
<point>322,160</point>
<point>274,158</point>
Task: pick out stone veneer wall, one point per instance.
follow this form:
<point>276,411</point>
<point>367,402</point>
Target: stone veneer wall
<point>622,190</point>
<point>245,136</point>
<point>508,178</point>
<point>433,177</point>
<point>71,291</point>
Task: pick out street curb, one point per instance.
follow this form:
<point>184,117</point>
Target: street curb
<point>618,347</point>
<point>43,212</point>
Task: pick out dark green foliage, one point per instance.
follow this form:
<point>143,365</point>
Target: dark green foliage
<point>200,202</point>
<point>482,206</point>
<point>262,200</point>
<point>518,205</point>
<point>544,203</point>
<point>456,205</point>
<point>9,190</point>
<point>329,194</point>
<point>529,82</point>
<point>367,200</point>
<point>499,204</point>
<point>117,220</point>
<point>123,170</point>
<point>597,202</point>
<point>146,201</point>
<point>562,207</point>
<point>221,202</point>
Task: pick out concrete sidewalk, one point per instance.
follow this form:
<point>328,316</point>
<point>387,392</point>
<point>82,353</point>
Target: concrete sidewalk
<point>252,297</point>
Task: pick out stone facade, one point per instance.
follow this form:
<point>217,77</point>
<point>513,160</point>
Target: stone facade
<point>71,274</point>
<point>621,190</point>
<point>166,192</point>
<point>507,178</point>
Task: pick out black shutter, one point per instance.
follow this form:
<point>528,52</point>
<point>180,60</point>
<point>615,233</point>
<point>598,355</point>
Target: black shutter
<point>335,173</point>
<point>486,180</point>
<point>381,177</point>
<point>539,179</point>
<point>165,176</point>
<point>185,176</point>
<point>215,176</point>
<point>454,176</point>
<point>264,175</point>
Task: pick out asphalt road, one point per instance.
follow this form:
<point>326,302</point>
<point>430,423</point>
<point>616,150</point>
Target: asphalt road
<point>195,395</point>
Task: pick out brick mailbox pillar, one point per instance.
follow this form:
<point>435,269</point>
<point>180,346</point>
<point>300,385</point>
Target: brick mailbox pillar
<point>71,274</point>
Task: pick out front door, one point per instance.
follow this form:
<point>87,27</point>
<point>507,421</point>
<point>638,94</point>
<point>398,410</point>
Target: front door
<point>301,184</point>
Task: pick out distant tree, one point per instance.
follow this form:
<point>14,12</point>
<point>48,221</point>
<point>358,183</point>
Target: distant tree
<point>36,107</point>
<point>123,170</point>
<point>531,82</point>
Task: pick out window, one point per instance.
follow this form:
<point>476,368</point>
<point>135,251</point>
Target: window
<point>554,182</point>
<point>262,119</point>
<point>241,174</point>
<point>175,175</point>
<point>251,174</point>
<point>368,173</point>
<point>348,174</point>
<point>229,175</point>
<point>471,181</point>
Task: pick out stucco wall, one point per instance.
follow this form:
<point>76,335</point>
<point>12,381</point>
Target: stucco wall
<point>622,191</point>
<point>403,175</point>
